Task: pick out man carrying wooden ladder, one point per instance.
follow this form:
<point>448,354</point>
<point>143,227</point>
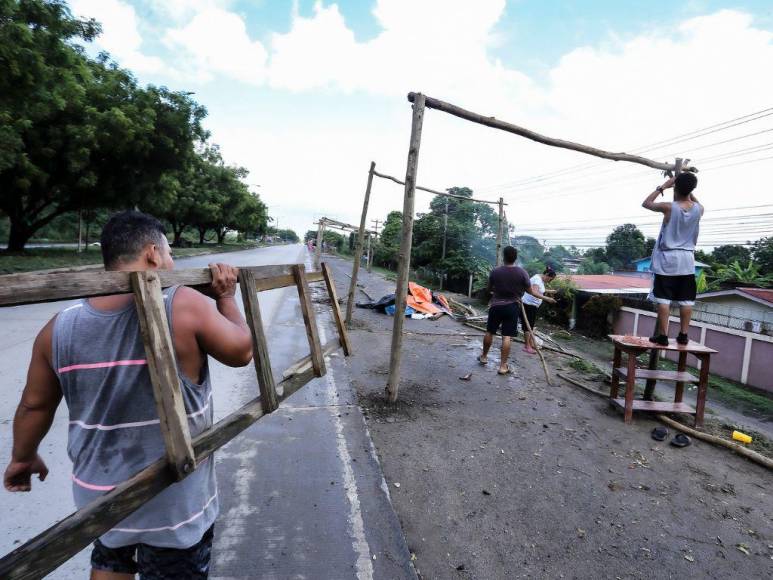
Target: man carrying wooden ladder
<point>93,355</point>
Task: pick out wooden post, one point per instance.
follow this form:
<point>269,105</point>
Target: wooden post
<point>159,352</point>
<point>649,388</point>
<point>331,292</point>
<point>260,358</point>
<point>320,239</point>
<point>469,287</point>
<point>358,248</point>
<point>80,231</point>
<point>312,333</point>
<point>406,241</point>
<point>499,233</point>
<point>368,253</point>
<point>630,386</point>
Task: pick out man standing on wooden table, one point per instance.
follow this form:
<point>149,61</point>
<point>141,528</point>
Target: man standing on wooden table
<point>92,354</point>
<point>673,258</point>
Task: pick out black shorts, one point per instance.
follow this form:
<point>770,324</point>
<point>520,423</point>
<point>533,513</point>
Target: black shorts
<point>531,315</point>
<point>154,563</point>
<point>505,316</point>
<point>667,289</point>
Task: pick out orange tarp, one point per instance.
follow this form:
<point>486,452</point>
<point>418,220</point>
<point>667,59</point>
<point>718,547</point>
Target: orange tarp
<point>420,299</point>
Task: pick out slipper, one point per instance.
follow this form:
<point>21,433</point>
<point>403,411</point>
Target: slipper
<point>681,440</point>
<point>481,361</point>
<point>659,433</point>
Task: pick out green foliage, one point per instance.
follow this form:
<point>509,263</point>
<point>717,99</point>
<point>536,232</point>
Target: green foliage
<point>78,133</point>
<point>649,245</point>
<point>596,314</point>
<point>625,244</point>
<point>286,235</point>
<point>560,312</point>
<point>588,266</point>
<point>737,275</point>
<point>534,266</point>
<point>386,250</point>
<point>701,283</point>
<point>730,253</point>
<point>763,255</point>
<point>528,248</point>
<point>596,254</point>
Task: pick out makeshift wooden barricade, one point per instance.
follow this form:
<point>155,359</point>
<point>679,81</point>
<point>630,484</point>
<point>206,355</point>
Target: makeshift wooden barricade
<point>60,542</point>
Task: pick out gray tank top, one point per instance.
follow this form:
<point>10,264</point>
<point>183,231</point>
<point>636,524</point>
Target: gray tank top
<point>674,252</point>
<point>114,428</point>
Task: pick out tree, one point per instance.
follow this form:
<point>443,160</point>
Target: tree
<point>528,248</point>
<point>737,275</point>
<point>649,245</point>
<point>704,257</point>
<point>596,254</point>
<point>78,133</point>
<point>588,266</point>
<point>388,246</point>
<point>624,244</point>
<point>730,253</point>
<point>763,255</point>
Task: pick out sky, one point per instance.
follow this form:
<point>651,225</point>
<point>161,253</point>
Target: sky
<point>305,94</point>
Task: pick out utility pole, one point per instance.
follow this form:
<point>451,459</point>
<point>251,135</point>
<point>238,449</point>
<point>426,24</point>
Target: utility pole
<point>320,237</point>
<point>359,247</point>
<point>445,231</point>
<point>80,230</point>
<point>499,232</point>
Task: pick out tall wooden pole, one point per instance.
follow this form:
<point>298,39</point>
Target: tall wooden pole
<point>445,233</point>
<point>320,238</point>
<point>499,232</point>
<point>80,230</point>
<point>368,253</point>
<point>406,241</point>
<point>359,247</point>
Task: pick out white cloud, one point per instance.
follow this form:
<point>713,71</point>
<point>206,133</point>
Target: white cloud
<point>215,42</point>
<point>120,33</point>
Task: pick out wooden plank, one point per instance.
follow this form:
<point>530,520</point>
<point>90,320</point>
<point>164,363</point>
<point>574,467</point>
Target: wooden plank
<point>260,356</point>
<point>305,363</point>
<point>404,256</point>
<point>656,406</point>
<point>358,248</point>
<point>162,366</point>
<point>534,136</point>
<point>435,191</point>
<point>51,548</point>
<point>642,343</point>
<point>343,335</point>
<point>16,289</point>
<point>660,375</point>
<point>309,319</point>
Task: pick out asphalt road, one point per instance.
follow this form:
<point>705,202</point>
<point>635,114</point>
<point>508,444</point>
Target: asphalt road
<point>301,492</point>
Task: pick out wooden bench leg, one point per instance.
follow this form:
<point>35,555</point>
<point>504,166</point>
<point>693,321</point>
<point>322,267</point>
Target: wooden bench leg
<point>682,366</point>
<point>703,386</point>
<point>630,384</point>
<point>649,387</point>
<point>317,358</point>
<point>615,383</point>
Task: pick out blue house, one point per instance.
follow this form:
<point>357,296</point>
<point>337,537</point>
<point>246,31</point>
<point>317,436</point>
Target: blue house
<point>644,265</point>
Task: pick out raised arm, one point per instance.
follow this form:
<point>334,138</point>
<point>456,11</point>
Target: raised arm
<point>34,415</point>
<point>534,291</point>
<point>660,207</point>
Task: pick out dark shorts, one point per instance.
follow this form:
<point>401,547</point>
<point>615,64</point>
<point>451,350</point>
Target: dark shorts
<point>505,316</point>
<point>153,563</point>
<point>531,315</point>
<point>666,289</point>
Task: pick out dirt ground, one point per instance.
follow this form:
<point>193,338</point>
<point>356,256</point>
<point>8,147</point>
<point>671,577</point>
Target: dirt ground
<point>507,477</point>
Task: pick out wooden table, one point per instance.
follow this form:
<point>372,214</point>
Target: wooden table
<point>633,346</point>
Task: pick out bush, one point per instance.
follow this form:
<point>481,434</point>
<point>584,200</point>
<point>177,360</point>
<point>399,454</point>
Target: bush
<point>596,315</point>
<point>561,312</point>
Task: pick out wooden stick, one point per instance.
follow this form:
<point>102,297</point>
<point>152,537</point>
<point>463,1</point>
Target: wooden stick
<point>162,367</point>
<point>359,246</point>
<point>260,357</point>
<point>331,291</point>
<point>436,192</point>
<point>309,319</point>
<point>17,289</point>
<point>539,352</point>
<point>51,548</point>
<point>320,240</point>
<point>510,128</point>
<point>404,257</point>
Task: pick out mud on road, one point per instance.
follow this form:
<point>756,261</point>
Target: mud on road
<point>506,477</point>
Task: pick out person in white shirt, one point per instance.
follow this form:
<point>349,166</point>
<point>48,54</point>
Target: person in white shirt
<point>532,301</point>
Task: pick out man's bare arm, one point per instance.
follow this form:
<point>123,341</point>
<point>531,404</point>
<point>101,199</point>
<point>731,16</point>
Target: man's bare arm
<point>34,415</point>
<point>660,207</point>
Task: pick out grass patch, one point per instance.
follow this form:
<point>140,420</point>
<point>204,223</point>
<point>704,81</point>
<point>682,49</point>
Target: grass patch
<point>50,258</point>
<point>585,366</point>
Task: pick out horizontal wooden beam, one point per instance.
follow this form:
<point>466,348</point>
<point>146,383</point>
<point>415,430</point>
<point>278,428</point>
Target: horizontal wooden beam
<point>443,193</point>
<point>48,550</point>
<point>18,289</point>
<point>534,136</point>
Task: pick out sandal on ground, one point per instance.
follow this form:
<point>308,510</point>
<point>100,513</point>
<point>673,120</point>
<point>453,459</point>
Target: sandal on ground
<point>681,440</point>
<point>482,360</point>
<point>659,433</point>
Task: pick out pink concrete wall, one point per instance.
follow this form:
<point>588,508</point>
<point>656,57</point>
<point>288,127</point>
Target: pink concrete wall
<point>761,366</point>
<point>728,362</point>
<point>623,322</point>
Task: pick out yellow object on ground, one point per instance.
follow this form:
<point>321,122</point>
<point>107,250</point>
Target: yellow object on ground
<point>742,437</point>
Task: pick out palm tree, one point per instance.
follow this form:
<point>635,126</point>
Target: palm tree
<point>734,275</point>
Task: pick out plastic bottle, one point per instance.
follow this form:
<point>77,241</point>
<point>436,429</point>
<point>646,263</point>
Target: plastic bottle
<point>742,437</point>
